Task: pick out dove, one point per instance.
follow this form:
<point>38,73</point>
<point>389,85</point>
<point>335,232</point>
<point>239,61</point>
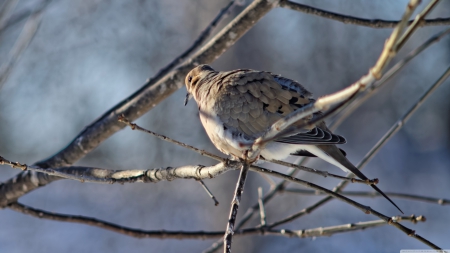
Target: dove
<point>236,107</point>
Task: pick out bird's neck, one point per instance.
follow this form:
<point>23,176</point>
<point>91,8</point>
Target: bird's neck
<point>204,85</point>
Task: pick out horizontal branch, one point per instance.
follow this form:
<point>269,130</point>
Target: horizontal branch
<point>439,201</point>
<point>347,19</point>
<point>164,234</point>
<point>328,231</point>
<point>106,176</point>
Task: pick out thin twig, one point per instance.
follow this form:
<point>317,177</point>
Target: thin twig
<point>347,19</point>
<point>134,126</point>
<point>216,203</point>
<point>328,231</point>
<point>229,231</point>
<point>439,201</point>
<point>400,122</point>
<point>262,212</point>
<point>324,173</point>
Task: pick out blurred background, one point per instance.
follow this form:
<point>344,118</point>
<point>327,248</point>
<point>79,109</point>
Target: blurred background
<point>88,55</point>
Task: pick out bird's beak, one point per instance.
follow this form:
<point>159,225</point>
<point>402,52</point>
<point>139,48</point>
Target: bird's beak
<point>186,100</point>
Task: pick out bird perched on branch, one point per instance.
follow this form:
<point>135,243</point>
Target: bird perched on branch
<point>238,106</point>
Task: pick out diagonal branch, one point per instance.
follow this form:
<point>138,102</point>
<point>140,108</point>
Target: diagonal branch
<point>25,37</point>
<point>19,16</point>
<point>394,129</point>
<point>386,77</point>
<point>6,10</point>
<point>285,126</point>
<point>143,100</point>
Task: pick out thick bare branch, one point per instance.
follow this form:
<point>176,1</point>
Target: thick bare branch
<point>143,100</point>
<point>106,176</point>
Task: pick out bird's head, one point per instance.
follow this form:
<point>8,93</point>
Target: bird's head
<point>193,78</point>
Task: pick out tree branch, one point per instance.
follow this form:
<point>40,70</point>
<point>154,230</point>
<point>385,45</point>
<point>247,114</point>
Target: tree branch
<point>386,77</point>
<point>25,38</point>
<point>164,234</point>
<point>143,100</point>
<point>347,19</point>
<point>229,231</point>
<point>394,129</point>
<point>439,201</point>
<point>106,176</point>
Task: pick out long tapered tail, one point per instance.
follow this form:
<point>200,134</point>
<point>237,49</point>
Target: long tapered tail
<point>335,153</point>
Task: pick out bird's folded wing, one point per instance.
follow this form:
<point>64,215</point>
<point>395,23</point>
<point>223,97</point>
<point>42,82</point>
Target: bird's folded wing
<point>251,101</point>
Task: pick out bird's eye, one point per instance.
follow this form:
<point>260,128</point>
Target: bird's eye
<point>189,78</point>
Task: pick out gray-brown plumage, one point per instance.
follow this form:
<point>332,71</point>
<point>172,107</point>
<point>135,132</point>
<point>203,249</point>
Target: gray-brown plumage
<point>238,106</point>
